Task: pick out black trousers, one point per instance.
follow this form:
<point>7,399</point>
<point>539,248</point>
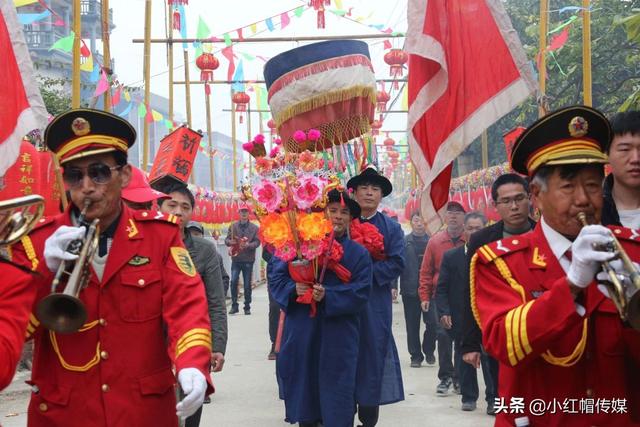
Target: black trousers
<point>194,420</point>
<point>274,317</point>
<point>413,317</point>
<point>368,415</point>
<point>446,369</point>
<point>469,377</point>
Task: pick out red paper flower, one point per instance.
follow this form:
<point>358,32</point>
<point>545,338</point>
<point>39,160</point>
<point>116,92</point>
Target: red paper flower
<point>370,237</point>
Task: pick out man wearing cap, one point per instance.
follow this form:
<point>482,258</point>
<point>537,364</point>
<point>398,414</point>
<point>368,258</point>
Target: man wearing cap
<point>242,239</point>
<point>317,363</point>
<point>441,242</point>
<point>145,304</point>
<point>379,374</point>
<point>557,335</point>
<point>139,194</point>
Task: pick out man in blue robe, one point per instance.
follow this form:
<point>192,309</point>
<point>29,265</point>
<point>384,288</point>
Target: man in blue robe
<point>317,363</point>
<point>379,377</point>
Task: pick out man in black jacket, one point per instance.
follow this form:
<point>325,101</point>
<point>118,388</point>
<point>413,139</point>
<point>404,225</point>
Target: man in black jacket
<point>622,200</point>
<point>450,291</point>
<point>510,194</point>
<point>415,244</point>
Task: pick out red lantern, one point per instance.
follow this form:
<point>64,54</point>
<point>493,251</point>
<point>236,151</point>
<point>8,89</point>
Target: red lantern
<point>396,58</point>
<point>382,97</point>
<point>207,63</point>
<point>389,142</point>
<point>241,99</point>
<point>375,127</point>
<point>177,2</point>
<point>393,155</point>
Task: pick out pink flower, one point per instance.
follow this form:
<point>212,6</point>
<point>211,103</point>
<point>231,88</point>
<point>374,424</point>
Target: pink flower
<point>247,146</point>
<point>259,139</point>
<point>268,194</point>
<point>277,141</point>
<point>263,164</point>
<point>312,249</point>
<point>299,136</point>
<point>314,134</point>
<point>274,151</point>
<point>286,252</point>
<point>308,191</point>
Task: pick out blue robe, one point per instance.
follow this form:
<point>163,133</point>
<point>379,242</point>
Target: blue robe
<point>379,377</point>
<point>316,366</point>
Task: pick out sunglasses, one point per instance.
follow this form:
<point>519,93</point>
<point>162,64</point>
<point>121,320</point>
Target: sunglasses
<point>99,173</point>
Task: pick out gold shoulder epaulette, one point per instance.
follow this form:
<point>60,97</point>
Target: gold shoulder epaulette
<point>155,216</point>
<point>489,252</point>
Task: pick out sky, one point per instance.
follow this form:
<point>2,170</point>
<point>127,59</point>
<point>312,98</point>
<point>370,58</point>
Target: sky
<point>227,16</point>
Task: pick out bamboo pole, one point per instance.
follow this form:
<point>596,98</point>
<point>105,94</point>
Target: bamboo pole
<point>75,76</point>
<point>106,51</point>
<point>485,149</point>
<point>225,82</point>
<point>212,174</point>
<point>187,93</point>
<point>249,133</point>
<point>147,82</point>
<point>187,86</point>
<point>279,39</point>
<point>170,62</point>
<point>542,68</point>
<point>234,143</point>
<point>586,52</point>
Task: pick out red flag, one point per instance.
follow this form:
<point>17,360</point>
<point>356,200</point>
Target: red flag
<point>22,109</point>
<point>559,40</point>
<point>467,69</point>
<point>227,52</point>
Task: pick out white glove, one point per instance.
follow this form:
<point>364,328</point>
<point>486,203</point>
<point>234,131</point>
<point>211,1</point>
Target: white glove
<point>623,277</point>
<point>585,259</point>
<point>55,247</point>
<point>194,385</point>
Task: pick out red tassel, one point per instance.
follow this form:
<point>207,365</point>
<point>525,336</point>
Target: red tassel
<point>321,18</point>
<point>176,20</point>
<point>240,117</point>
<point>207,89</point>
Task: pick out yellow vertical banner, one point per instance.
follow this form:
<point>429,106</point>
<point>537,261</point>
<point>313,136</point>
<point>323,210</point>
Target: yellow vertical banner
<point>405,97</point>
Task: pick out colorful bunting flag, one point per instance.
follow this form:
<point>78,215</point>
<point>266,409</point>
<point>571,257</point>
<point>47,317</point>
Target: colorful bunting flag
<point>269,24</point>
<point>125,112</point>
<point>238,75</point>
<point>299,11</point>
<point>102,85</point>
<point>254,28</point>
<point>227,39</point>
<point>30,18</point>
<point>284,20</point>
<point>64,44</point>
<point>87,64</point>
<point>142,110</point>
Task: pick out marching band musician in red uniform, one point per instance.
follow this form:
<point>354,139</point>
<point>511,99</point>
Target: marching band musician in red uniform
<point>16,298</point>
<point>566,357</point>
<point>145,303</point>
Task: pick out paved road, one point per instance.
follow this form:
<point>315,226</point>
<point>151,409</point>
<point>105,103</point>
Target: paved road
<point>247,393</point>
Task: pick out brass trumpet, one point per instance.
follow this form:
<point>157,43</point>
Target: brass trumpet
<point>64,312</point>
<point>624,294</point>
<point>18,216</point>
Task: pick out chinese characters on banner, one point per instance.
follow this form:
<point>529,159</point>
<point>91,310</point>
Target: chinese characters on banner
<point>176,155</point>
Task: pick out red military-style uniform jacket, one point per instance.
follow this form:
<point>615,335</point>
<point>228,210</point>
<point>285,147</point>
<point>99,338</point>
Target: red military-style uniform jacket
<point>547,351</point>
<point>148,313</point>
<point>16,298</point>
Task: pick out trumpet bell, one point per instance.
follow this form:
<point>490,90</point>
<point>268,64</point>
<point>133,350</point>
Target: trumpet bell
<point>61,313</point>
<point>18,216</point>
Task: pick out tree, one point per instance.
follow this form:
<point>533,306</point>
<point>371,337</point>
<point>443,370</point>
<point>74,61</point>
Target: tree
<point>55,94</point>
<point>615,62</point>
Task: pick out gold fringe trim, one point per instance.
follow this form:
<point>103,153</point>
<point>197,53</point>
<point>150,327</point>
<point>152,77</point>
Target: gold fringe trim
<point>90,364</point>
<point>30,252</point>
<point>472,289</point>
<point>575,356</point>
<point>325,99</point>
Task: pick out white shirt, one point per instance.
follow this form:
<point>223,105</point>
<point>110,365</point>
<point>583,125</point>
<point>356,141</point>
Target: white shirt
<point>559,245</point>
<point>630,218</point>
